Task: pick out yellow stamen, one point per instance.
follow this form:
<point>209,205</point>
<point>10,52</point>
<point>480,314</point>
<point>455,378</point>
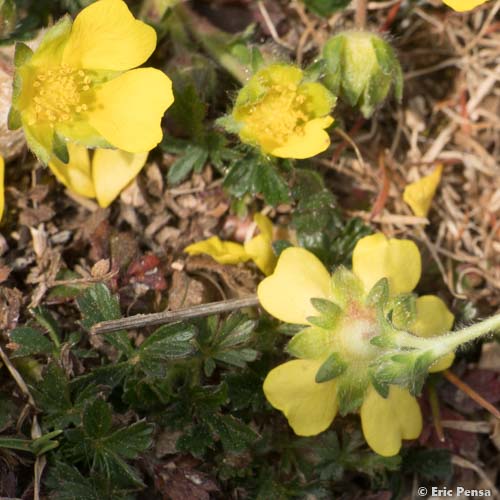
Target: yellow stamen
<point>59,94</point>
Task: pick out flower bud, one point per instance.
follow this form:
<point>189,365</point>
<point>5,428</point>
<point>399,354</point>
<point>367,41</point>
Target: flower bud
<point>360,68</point>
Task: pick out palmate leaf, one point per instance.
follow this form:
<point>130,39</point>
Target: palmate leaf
<point>54,397</point>
<point>226,340</point>
<point>97,304</point>
<point>255,174</point>
<point>30,341</point>
<point>106,448</point>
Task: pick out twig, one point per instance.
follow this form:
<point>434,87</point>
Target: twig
<point>360,16</point>
<point>142,320</point>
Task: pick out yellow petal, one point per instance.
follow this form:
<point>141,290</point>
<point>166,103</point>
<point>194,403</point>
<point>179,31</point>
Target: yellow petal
<point>264,224</point>
<point>2,194</point>
<point>112,170</point>
<point>419,194</point>
<point>260,247</point>
<point>313,141</point>
<point>105,35</point>
<point>260,250</point>
<point>299,276</point>
<point>129,109</point>
<point>309,407</point>
<point>224,252</point>
<point>463,5</point>
<point>386,422</point>
<point>433,318</point>
<point>75,175</point>
<point>377,257</point>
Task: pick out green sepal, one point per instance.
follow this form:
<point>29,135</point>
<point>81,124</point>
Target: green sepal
<point>330,314</point>
<point>381,387</point>
<point>331,368</point>
<point>322,322</point>
<point>326,307</point>
<point>22,54</point>
<point>309,343</point>
<point>314,71</point>
<point>333,53</point>
<point>346,286</point>
<point>389,64</point>
<point>402,310</point>
<point>379,294</point>
<point>60,148</point>
<point>406,369</point>
<point>14,120</point>
<point>350,393</point>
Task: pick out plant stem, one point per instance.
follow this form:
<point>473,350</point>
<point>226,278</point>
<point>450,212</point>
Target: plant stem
<point>141,320</point>
<point>450,341</point>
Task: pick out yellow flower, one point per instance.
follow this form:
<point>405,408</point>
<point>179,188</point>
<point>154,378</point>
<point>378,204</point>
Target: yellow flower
<point>343,335</point>
<point>283,114</point>
<point>104,177</point>
<point>259,248</point>
<point>79,85</point>
<point>2,195</point>
<point>419,194</point>
<point>463,5</point>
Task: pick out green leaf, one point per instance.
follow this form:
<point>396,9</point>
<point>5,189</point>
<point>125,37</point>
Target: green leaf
<point>107,449</point>
<point>333,366</point>
<point>97,419</point>
<point>97,304</point>
<point>168,342</point>
<point>236,329</point>
<point>67,483</point>
<point>53,395</point>
<point>30,342</point>
<point>194,158</point>
<point>188,111</point>
<point>431,465</point>
<point>254,174</point>
<point>233,433</point>
<point>326,8</point>
<point>130,441</point>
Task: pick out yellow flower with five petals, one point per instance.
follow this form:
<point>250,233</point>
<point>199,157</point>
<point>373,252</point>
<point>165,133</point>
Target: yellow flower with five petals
<point>101,174</point>
<point>282,114</point>
<point>259,248</point>
<point>80,86</point>
<point>298,287</point>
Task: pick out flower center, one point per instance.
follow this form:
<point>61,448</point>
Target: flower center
<point>358,327</point>
<point>278,115</point>
<point>59,94</point>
